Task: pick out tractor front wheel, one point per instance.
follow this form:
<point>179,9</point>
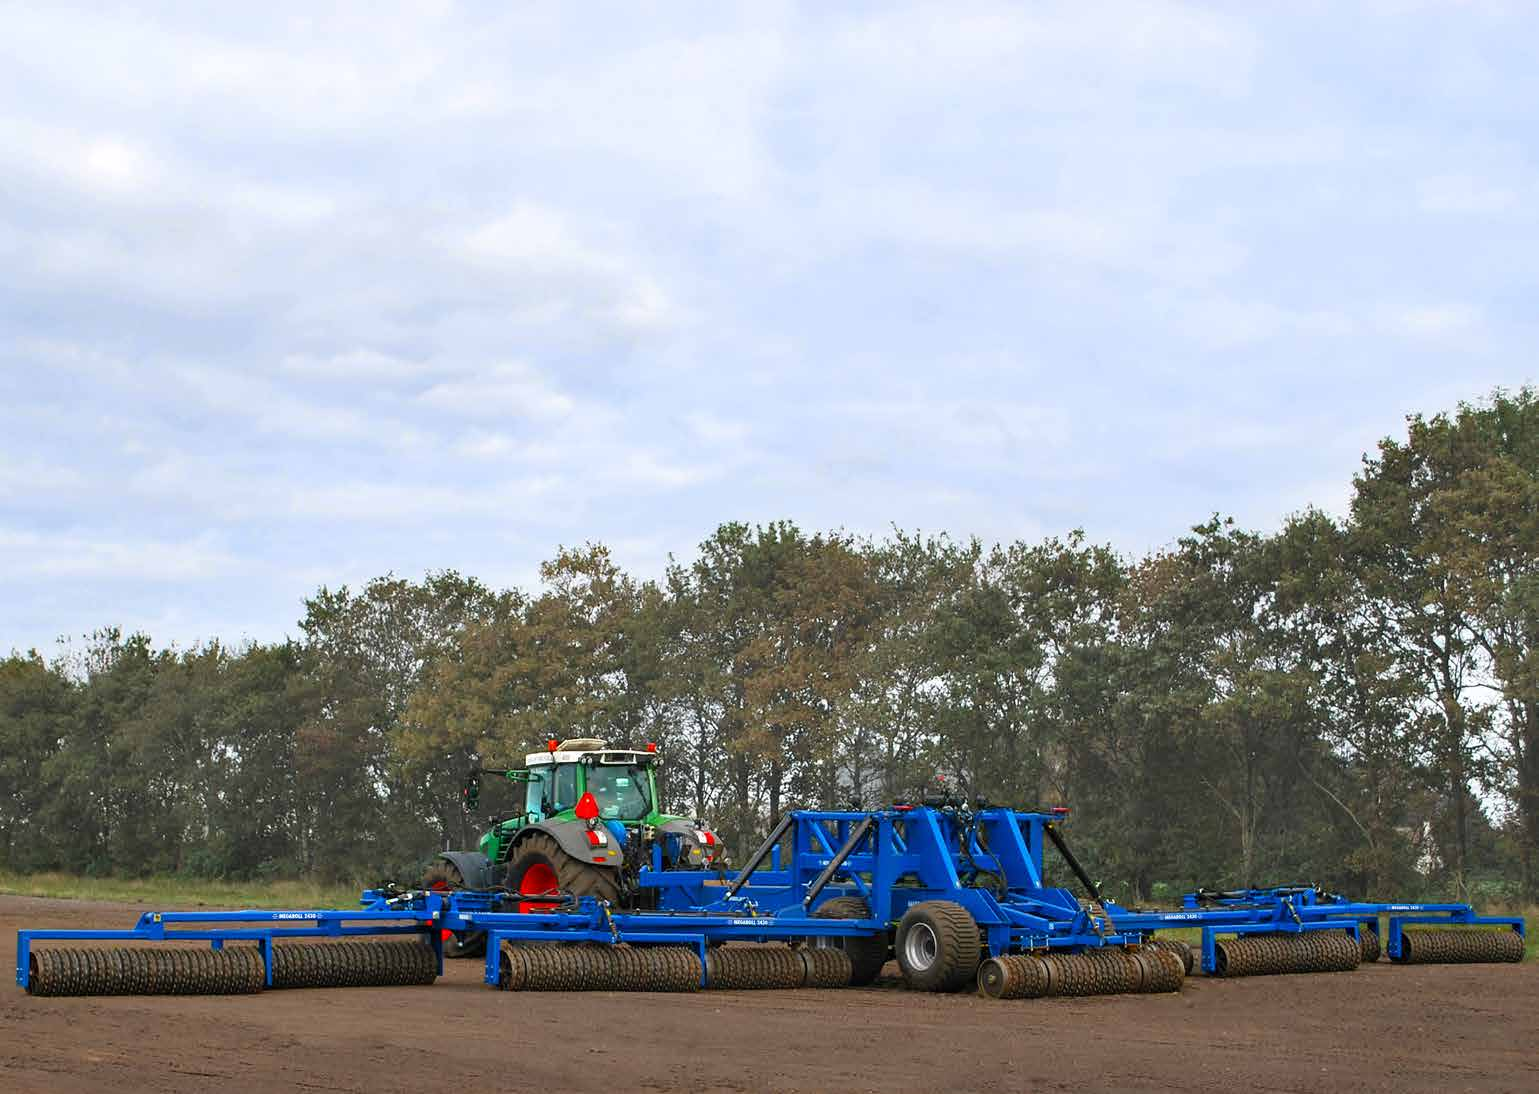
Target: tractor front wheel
<point>441,877</point>
<point>539,867</point>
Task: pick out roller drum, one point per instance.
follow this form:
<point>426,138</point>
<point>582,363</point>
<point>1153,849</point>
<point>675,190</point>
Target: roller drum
<point>1069,974</point>
<point>996,979</point>
<point>595,966</point>
<point>349,963</point>
<point>1181,949</point>
<point>825,967</point>
<point>751,968</point>
<point>672,968</point>
<point>1243,955</point>
<point>1287,952</point>
<point>1104,971</point>
<point>1013,976</point>
<point>143,970</point>
<point>1455,945</point>
<point>547,969</point>
<point>1166,973</point>
<point>630,968</point>
<point>1115,973</point>
<point>511,972</point>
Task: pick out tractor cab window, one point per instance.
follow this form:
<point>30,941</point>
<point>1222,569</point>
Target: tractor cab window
<point>621,791</point>
<point>552,788</point>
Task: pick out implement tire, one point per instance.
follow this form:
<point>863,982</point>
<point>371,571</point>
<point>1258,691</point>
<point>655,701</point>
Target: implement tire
<point>444,876</point>
<point>938,946</point>
<point>867,955</point>
<point>539,865</point>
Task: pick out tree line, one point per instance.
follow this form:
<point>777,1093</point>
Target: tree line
<point>1352,702</point>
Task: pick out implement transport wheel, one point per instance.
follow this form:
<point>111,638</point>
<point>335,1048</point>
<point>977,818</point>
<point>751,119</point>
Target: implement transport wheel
<point>867,954</point>
<point>938,946</point>
<point>442,877</point>
<point>539,867</point>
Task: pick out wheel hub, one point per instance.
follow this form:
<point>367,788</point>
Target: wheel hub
<point>920,947</point>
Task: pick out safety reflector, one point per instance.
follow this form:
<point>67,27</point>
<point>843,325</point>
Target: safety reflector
<point>445,934</point>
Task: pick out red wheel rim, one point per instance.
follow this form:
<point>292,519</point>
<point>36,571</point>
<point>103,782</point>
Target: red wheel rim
<point>538,880</point>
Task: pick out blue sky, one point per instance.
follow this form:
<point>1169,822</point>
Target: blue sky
<point>291,299</point>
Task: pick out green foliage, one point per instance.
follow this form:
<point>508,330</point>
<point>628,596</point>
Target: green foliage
<point>1352,703</point>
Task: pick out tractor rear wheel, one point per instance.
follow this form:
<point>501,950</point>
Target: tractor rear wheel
<point>444,876</point>
<point>939,946</point>
<point>867,955</point>
<point>540,867</point>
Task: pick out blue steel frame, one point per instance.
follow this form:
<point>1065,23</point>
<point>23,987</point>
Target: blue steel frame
<point>892,858</point>
<point>902,857</point>
<point>1297,908</point>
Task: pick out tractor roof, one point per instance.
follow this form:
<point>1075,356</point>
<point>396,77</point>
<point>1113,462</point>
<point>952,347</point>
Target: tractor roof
<point>579,748</point>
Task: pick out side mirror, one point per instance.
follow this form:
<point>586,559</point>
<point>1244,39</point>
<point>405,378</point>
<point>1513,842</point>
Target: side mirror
<point>470,794</point>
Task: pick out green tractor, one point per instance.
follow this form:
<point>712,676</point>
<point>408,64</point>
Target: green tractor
<point>584,822</point>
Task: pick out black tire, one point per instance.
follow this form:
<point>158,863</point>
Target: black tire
<point>572,875</point>
<point>938,946</point>
<point>867,955</point>
<point>443,875</point>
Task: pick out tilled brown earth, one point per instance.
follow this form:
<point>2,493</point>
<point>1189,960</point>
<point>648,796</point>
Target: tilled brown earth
<point>1379,1028</point>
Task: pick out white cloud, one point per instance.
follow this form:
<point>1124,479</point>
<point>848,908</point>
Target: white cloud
<point>529,235</point>
<point>1120,41</point>
<point>272,409</point>
<point>1464,194</point>
<point>531,241</point>
<point>356,365</point>
<point>1432,322</point>
<point>117,165</point>
<point>513,389</point>
<point>717,430</point>
<point>309,294</point>
<point>30,477</point>
<point>58,555</point>
<point>409,502</point>
<point>648,469</point>
<point>1228,324</point>
<point>481,445</point>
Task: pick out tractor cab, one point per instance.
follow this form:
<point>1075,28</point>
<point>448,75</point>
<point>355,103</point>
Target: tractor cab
<point>621,780</point>
<point>586,821</point>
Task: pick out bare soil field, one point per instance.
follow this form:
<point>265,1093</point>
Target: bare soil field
<point>1379,1028</point>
